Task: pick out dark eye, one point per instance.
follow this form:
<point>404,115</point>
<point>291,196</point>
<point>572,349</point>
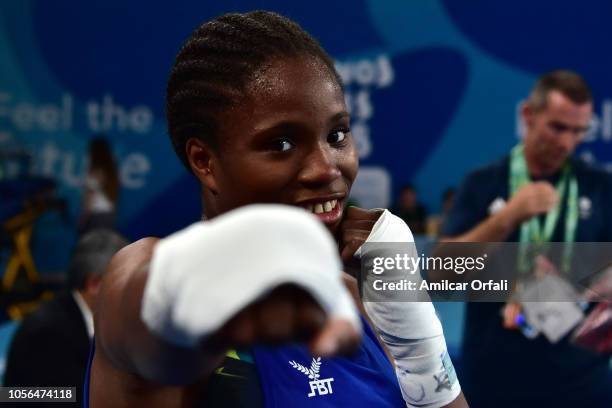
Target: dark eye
<point>282,145</point>
<point>558,127</point>
<point>337,137</point>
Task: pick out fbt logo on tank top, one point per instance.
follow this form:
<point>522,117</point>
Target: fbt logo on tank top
<point>318,387</point>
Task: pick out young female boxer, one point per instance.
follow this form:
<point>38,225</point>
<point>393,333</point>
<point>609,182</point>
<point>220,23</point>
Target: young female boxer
<point>256,112</point>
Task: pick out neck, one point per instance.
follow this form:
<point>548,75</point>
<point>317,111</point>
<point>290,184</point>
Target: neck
<point>536,168</point>
<point>207,214</point>
<point>209,209</point>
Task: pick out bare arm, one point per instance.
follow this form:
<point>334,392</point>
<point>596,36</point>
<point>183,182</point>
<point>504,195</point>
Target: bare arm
<point>531,200</point>
<point>281,313</point>
<point>125,339</point>
<point>495,228</point>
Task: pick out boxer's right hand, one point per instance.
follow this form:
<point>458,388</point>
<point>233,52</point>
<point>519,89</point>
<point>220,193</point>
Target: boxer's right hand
<point>288,314</point>
<point>531,200</point>
<point>259,274</point>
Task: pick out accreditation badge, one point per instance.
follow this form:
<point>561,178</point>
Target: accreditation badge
<point>550,305</point>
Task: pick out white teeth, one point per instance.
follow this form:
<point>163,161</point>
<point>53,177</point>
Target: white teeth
<point>320,208</point>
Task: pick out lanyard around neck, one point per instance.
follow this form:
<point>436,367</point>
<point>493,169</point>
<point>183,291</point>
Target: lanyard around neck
<point>532,230</point>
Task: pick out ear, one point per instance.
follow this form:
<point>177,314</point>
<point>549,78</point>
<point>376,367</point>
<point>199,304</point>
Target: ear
<point>527,114</point>
<point>202,160</point>
<point>92,284</point>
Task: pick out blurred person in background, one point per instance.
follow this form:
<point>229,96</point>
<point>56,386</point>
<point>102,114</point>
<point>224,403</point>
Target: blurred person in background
<point>538,182</point>
<point>435,222</point>
<point>50,347</point>
<point>101,188</point>
<point>410,210</point>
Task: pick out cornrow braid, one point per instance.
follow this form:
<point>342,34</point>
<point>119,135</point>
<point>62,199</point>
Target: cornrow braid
<point>214,66</point>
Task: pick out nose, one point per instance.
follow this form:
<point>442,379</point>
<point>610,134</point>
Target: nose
<point>567,141</point>
<point>319,167</point>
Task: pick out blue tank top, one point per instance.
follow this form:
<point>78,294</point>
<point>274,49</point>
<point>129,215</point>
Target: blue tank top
<point>291,376</point>
<point>92,350</point>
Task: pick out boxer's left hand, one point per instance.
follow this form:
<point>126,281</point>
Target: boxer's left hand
<point>354,230</point>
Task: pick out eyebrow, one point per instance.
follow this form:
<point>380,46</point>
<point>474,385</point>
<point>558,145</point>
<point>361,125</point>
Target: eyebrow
<point>338,116</point>
<point>288,125</point>
<point>563,125</point>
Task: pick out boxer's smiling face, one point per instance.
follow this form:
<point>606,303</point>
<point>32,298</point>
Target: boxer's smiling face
<point>288,141</point>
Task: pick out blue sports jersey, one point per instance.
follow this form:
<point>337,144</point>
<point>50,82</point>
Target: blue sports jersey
<point>88,374</point>
<point>291,376</point>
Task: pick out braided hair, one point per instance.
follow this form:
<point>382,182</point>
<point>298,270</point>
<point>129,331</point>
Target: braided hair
<point>215,65</point>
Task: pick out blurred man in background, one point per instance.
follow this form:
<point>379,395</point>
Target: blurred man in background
<point>435,221</point>
<point>538,183</point>
<point>411,210</point>
<point>101,188</point>
<point>51,346</point>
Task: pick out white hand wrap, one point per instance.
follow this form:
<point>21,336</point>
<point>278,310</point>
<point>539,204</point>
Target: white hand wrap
<point>413,334</point>
<point>202,276</point>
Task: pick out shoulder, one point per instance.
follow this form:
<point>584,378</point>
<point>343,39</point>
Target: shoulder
<point>353,287</point>
<point>127,261</point>
<point>483,184</point>
<point>51,308</point>
<point>480,188</point>
<point>143,245</point>
<point>51,316</point>
<point>489,172</point>
<point>134,253</point>
<point>97,174</point>
<point>591,172</point>
<point>92,180</point>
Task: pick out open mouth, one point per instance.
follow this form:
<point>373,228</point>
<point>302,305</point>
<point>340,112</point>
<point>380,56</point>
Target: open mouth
<point>324,207</point>
<point>328,211</point>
